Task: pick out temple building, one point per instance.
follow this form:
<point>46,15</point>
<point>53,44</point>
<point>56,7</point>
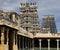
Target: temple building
<point>12,36</point>
<point>22,32</point>
<point>49,24</point>
<point>8,30</point>
<point>29,17</point>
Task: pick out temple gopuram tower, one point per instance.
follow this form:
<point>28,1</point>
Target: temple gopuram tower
<point>29,17</point>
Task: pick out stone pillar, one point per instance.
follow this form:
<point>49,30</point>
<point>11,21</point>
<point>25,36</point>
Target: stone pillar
<point>25,43</point>
<point>48,44</point>
<point>32,44</point>
<point>7,36</point>
<point>2,38</point>
<point>7,39</point>
<point>19,42</point>
<point>22,43</point>
<point>57,44</point>
<point>15,41</point>
<point>2,35</point>
<point>40,44</point>
<point>28,44</point>
<point>13,37</point>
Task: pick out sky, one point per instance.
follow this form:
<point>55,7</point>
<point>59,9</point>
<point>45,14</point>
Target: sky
<point>44,7</point>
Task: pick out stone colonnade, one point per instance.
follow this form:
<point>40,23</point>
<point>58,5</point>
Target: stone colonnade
<point>40,40</point>
<point>8,38</point>
<point>25,43</point>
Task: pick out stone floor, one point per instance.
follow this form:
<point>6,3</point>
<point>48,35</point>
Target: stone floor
<point>39,49</point>
<point>46,49</point>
